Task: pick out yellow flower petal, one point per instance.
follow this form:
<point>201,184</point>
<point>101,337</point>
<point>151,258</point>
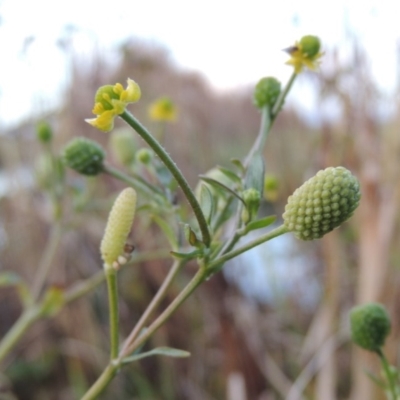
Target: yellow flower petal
<point>104,122</point>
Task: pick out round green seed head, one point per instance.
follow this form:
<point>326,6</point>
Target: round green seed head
<point>44,132</point>
<point>84,156</point>
<point>144,156</point>
<point>322,203</point>
<point>118,226</point>
<point>266,92</point>
<point>310,45</point>
<point>370,325</point>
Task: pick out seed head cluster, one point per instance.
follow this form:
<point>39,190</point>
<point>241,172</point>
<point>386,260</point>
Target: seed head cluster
<point>322,203</point>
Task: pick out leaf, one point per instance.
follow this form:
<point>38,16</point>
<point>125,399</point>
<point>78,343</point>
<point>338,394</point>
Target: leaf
<point>190,235</point>
<point>230,174</point>
<point>186,256</point>
<point>237,163</point>
<point>206,202</point>
<point>168,231</point>
<point>255,174</point>
<point>261,223</point>
<point>220,186</point>
<point>159,351</point>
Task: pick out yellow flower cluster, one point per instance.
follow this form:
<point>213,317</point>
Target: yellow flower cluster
<point>305,53</point>
<point>163,109</point>
<point>110,101</point>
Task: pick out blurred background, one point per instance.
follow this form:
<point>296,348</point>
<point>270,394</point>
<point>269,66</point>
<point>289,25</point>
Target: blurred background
<point>274,324</point>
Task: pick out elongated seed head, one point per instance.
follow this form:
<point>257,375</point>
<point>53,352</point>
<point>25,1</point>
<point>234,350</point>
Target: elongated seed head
<point>118,226</point>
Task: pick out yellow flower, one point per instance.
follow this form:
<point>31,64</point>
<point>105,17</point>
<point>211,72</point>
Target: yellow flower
<point>110,101</point>
<point>305,53</point>
<point>163,109</point>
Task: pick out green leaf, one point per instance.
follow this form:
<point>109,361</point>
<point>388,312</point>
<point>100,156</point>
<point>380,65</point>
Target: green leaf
<point>206,202</point>
<point>186,256</point>
<point>261,223</point>
<point>191,236</point>
<point>219,186</point>
<point>159,351</point>
<point>168,231</point>
<point>230,174</point>
<point>255,174</point>
<point>237,163</point>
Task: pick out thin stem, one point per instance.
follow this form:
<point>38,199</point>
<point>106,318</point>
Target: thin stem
<point>112,286</point>
<point>389,375</point>
<point>46,260</point>
<point>136,181</point>
<point>26,319</point>
<point>282,96</point>
<point>102,381</point>
<point>200,276</point>
<point>84,287</point>
<point>176,267</point>
<point>217,264</point>
<point>175,171</point>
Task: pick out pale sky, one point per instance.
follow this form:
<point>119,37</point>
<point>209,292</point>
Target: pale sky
<point>231,43</point>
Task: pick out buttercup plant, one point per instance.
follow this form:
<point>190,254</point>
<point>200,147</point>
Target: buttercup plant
<point>223,194</point>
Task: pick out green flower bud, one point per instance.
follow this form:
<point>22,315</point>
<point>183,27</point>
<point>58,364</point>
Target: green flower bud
<point>123,146</point>
<point>144,156</point>
<point>44,133</point>
<point>271,187</point>
<point>322,203</point>
<point>266,92</point>
<point>310,46</point>
<point>118,227</point>
<point>252,198</point>
<point>84,155</point>
<point>370,325</point>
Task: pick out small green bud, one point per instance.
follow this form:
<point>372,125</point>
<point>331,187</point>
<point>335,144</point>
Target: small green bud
<point>84,155</point>
<point>123,146</point>
<point>44,133</point>
<point>266,92</point>
<point>118,227</point>
<point>322,203</point>
<point>144,156</point>
<point>252,198</point>
<point>271,187</point>
<point>370,325</point>
<point>310,45</point>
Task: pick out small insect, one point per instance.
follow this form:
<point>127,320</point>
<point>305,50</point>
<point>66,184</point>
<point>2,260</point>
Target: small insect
<point>124,258</point>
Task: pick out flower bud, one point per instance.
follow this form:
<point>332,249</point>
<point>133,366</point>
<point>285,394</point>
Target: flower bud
<point>123,146</point>
<point>44,132</point>
<point>310,46</point>
<point>271,187</point>
<point>118,226</point>
<point>266,92</point>
<point>322,203</point>
<point>84,155</point>
<point>252,198</point>
<point>370,325</point>
<point>144,156</point>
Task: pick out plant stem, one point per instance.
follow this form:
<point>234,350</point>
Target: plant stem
<point>200,277</point>
<point>175,171</point>
<point>102,381</point>
<point>46,260</point>
<point>174,270</point>
<point>282,96</point>
<point>389,376</point>
<point>218,263</point>
<point>136,181</point>
<point>26,319</point>
<point>112,286</point>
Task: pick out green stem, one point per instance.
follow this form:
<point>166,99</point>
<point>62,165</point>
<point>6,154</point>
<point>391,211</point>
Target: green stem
<point>80,289</point>
<point>175,171</point>
<point>135,181</point>
<point>112,286</point>
<point>218,263</point>
<point>200,276</point>
<point>45,263</point>
<point>102,381</point>
<point>389,375</point>
<point>26,319</point>
<point>176,267</point>
<point>282,96</point>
